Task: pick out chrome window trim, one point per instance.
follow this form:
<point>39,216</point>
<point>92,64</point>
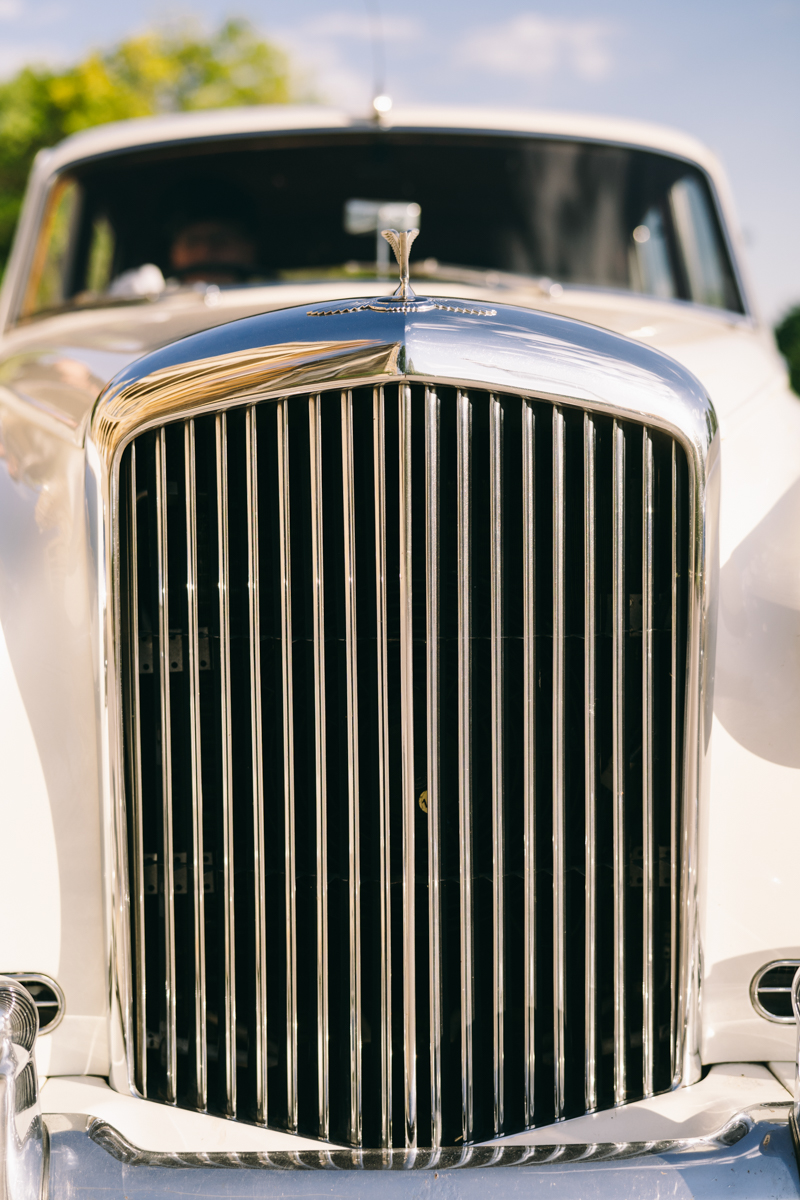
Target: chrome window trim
<point>583,367</point>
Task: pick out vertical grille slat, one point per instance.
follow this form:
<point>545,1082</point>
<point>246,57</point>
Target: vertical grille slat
<point>590,759</point>
<point>226,731</point>
<point>287,698</point>
<point>559,783</point>
<point>618,752</point>
<point>407,753</point>
<point>402,689</point>
<point>195,740</point>
<point>648,864</point>
<point>432,466</point>
<point>464,585</point>
<point>259,861</point>
<point>529,749</point>
<point>382,740</point>
<point>353,805</point>
<point>498,857</point>
<point>136,817</point>
<point>166,764</point>
<point>321,763</point>
<point>674,767</point>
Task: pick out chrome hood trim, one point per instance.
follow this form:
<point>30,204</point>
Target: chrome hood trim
<point>515,349</point>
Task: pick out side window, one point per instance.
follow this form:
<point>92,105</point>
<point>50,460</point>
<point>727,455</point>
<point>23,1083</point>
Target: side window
<point>703,259</point>
<point>49,277</point>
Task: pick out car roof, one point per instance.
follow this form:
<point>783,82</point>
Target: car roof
<point>279,118</point>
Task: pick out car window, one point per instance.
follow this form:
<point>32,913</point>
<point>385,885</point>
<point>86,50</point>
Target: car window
<point>697,237</point>
<point>240,212</point>
<point>48,284</point>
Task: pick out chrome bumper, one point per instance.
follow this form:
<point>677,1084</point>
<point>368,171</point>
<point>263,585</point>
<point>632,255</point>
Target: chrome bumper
<point>752,1157</point>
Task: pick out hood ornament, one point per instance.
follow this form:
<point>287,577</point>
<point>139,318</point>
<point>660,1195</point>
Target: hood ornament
<point>401,244</point>
<point>403,299</point>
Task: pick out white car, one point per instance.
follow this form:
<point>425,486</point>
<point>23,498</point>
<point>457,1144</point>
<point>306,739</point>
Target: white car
<point>400,685</point>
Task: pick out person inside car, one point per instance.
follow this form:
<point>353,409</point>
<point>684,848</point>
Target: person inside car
<point>212,250</point>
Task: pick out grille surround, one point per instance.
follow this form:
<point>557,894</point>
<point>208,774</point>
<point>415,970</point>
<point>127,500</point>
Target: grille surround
<point>689,419</point>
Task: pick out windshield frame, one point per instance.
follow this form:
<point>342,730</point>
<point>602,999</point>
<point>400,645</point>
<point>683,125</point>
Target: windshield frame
<point>40,198</point>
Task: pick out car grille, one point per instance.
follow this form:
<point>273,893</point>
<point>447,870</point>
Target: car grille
<point>403,677</point>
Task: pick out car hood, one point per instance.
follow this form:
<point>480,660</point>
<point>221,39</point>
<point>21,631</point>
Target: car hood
<point>61,363</point>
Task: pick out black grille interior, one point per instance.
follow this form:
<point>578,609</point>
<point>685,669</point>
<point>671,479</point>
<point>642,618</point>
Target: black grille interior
<point>140,540</point>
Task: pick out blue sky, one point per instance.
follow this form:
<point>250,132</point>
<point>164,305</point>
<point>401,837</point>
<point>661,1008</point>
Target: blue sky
<point>727,72</point>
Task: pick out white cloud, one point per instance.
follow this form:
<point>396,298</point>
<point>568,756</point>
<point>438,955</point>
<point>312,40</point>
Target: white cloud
<point>9,9</point>
<point>536,46</point>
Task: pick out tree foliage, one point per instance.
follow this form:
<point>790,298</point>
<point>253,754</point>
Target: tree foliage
<point>787,335</point>
<point>156,72</point>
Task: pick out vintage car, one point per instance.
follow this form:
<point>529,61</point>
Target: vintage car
<point>400,684</point>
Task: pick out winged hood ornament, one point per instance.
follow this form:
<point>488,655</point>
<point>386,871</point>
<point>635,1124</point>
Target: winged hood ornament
<point>401,244</point>
<point>403,299</point>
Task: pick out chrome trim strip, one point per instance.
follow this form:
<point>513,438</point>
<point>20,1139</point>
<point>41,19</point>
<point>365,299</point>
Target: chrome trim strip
<point>353,809</point>
<point>674,776</point>
<point>227,765</point>
<point>198,871</point>
<point>407,750</point>
<point>432,417</point>
<point>321,762</point>
<point>382,651</point>
<point>590,758</point>
<point>140,973</point>
<point>259,860</point>
<point>648,864</point>
<point>559,798</point>
<point>618,750</point>
<point>166,764</point>
<point>287,699</point>
<point>529,748</point>
<point>498,837</point>
<point>701,520</point>
<point>474,1158</point>
<point>464,534</point>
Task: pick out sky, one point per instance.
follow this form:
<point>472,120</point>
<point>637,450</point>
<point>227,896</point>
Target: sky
<point>729,73</point>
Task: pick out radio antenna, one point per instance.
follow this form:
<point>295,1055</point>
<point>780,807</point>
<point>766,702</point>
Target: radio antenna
<point>381,103</point>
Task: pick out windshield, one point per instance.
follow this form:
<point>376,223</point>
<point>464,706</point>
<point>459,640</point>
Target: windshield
<point>580,214</point>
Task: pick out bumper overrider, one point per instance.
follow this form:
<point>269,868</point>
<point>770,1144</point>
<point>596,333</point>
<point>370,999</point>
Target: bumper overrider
<point>752,1155</point>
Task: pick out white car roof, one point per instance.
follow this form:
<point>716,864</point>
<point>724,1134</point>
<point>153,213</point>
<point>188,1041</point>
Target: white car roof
<point>228,122</point>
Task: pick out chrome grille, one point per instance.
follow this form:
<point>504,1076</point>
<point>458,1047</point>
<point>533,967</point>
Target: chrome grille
<point>403,680</point>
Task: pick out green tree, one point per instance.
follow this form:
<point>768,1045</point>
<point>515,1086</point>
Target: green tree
<point>787,335</point>
<point>163,71</point>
